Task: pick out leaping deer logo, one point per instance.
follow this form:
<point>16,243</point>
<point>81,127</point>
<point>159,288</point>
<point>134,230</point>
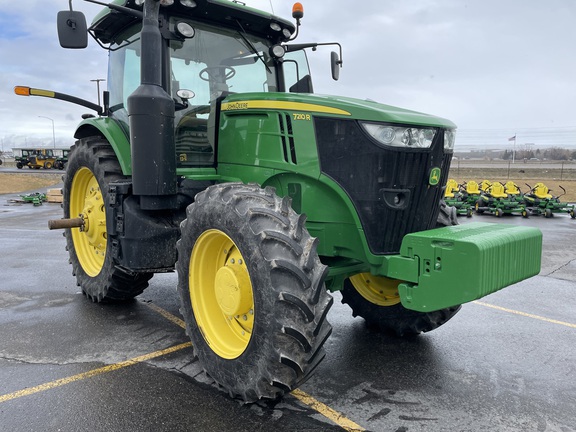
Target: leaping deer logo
<point>434,176</point>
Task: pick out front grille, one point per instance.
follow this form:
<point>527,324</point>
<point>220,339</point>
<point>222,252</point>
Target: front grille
<point>388,186</point>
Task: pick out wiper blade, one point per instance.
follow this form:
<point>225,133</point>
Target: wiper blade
<point>251,46</point>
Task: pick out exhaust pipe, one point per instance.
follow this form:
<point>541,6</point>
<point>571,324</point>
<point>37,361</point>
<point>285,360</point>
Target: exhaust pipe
<point>151,119</point>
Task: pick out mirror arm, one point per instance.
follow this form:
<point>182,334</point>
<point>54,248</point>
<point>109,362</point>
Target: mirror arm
<point>314,46</point>
<point>118,8</point>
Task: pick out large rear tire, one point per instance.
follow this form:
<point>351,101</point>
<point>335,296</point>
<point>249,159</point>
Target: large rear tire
<point>252,291</point>
<point>92,166</point>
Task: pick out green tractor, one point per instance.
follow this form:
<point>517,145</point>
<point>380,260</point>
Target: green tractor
<point>22,157</point>
<point>212,156</point>
<point>61,159</point>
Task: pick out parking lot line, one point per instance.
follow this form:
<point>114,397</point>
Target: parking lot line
<point>303,397</point>
<point>331,414</point>
<point>170,317</point>
<point>538,317</point>
<point>92,373</point>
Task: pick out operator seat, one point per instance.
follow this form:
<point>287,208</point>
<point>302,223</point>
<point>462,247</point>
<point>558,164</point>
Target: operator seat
<point>512,188</point>
<point>541,191</point>
<point>472,188</point>
<point>193,146</point>
<point>451,188</point>
<point>497,190</point>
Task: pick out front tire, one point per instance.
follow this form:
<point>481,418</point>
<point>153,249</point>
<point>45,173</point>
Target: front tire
<point>92,166</point>
<point>252,291</point>
<point>447,216</point>
<point>479,207</point>
<point>376,298</point>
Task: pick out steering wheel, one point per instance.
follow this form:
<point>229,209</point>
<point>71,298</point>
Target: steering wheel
<point>211,72</point>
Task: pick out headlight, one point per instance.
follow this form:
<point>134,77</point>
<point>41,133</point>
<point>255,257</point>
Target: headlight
<point>185,30</point>
<point>278,51</point>
<point>449,138</point>
<point>401,136</point>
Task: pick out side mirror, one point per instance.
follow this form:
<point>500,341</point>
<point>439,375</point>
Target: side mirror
<point>72,29</point>
<point>336,64</point>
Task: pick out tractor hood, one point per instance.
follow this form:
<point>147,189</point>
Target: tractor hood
<point>333,105</point>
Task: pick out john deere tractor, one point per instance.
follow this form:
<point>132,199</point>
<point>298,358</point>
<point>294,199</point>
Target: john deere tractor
<point>213,157</point>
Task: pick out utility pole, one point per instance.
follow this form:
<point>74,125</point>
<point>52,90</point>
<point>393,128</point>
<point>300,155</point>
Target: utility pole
<point>53,134</point>
<point>97,81</point>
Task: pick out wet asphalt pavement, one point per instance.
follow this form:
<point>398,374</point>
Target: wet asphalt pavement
<point>505,363</point>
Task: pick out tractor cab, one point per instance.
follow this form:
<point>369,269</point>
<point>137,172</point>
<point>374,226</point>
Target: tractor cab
<point>174,66</point>
<point>208,64</point>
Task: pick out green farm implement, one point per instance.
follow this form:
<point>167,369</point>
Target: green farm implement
<point>35,198</point>
<point>497,201</point>
<point>539,201</point>
<point>455,197</point>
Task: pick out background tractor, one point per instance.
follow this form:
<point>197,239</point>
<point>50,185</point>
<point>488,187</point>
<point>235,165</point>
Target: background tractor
<point>34,158</point>
<point>41,158</point>
<point>212,156</point>
<point>21,157</point>
<point>61,158</point>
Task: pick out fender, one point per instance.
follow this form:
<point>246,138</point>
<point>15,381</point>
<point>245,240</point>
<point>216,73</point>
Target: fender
<point>112,130</point>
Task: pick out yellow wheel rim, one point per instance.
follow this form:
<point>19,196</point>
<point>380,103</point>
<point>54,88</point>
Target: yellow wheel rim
<point>86,201</point>
<point>379,290</point>
<point>221,294</point>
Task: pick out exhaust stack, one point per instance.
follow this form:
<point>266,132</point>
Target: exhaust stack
<point>151,119</point>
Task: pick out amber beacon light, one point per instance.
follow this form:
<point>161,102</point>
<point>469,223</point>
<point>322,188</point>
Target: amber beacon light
<point>297,11</point>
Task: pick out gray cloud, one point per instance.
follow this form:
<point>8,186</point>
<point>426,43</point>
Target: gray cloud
<point>486,65</point>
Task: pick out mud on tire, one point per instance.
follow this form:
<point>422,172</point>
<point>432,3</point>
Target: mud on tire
<point>286,278</point>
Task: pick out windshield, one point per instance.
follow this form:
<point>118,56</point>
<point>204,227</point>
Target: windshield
<point>211,63</point>
<point>217,61</point>
<point>214,63</point>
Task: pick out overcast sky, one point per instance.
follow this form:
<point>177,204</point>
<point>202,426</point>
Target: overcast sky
<point>496,68</point>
